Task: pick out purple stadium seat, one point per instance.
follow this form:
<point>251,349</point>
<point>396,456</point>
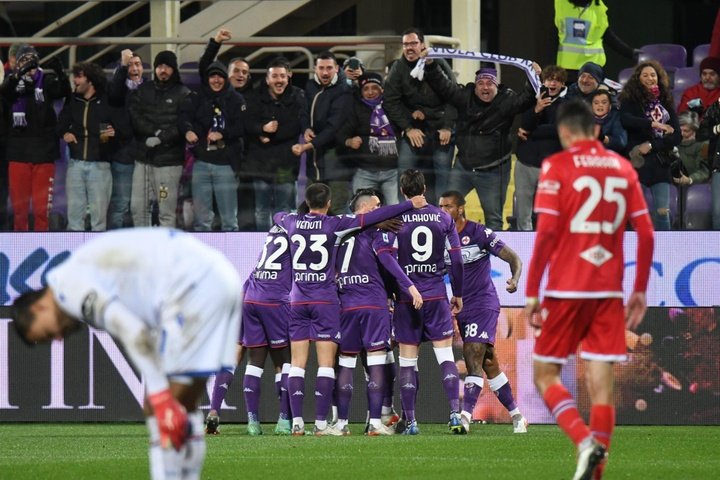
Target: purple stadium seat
<point>686,77</point>
<point>625,75</point>
<point>677,95</point>
<point>668,54</point>
<point>698,207</point>
<point>191,80</point>
<point>700,52</point>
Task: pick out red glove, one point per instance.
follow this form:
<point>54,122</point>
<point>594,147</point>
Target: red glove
<point>172,419</point>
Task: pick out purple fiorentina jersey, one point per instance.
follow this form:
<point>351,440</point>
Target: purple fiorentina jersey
<point>478,242</point>
<point>426,235</point>
<point>271,280</point>
<point>313,240</point>
<point>360,281</point>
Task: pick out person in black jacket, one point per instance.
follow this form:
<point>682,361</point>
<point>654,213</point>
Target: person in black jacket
<point>369,141</point>
<point>32,145</point>
<point>612,133</point>
<point>710,130</point>
<point>154,109</point>
<point>211,122</point>
<point>485,113</point>
<point>128,76</point>
<point>86,125</point>
<point>275,118</point>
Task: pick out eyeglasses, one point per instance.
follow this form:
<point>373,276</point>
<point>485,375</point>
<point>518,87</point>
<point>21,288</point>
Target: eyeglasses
<point>410,44</point>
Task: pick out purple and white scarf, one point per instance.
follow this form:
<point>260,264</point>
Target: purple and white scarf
<point>19,108</point>
<point>382,135</point>
<point>655,111</point>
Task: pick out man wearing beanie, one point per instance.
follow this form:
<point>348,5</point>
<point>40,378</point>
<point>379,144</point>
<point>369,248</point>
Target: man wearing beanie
<point>590,78</point>
<point>699,97</point>
<point>154,111</point>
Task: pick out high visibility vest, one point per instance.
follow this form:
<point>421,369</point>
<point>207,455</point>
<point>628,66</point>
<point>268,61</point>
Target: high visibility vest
<point>580,31</point>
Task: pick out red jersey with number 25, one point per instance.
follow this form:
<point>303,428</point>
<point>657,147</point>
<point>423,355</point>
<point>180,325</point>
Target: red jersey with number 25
<point>592,193</point>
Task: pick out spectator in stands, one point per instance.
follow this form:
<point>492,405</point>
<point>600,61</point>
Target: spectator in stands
<point>425,121</point>
<point>9,66</point>
<point>154,109</point>
<point>582,27</point>
<point>710,130</point>
<point>538,139</point>
<point>329,99</point>
<point>486,111</point>
<point>353,68</point>
<point>212,123</point>
<point>369,140</point>
<point>647,112</point>
<point>123,146</point>
<point>612,133</point>
<point>28,93</point>
<point>86,125</point>
<point>276,116</point>
<point>590,78</point>
<point>699,97</point>
<point>693,153</point>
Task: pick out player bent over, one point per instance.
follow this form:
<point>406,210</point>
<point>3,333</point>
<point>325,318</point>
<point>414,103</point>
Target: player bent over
<point>585,196</point>
<point>365,319</point>
<point>479,317</point>
<point>314,303</point>
<point>173,304</point>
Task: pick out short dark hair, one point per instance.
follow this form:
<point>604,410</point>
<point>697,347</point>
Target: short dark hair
<point>317,195</point>
<point>416,31</point>
<point>23,318</point>
<point>600,92</point>
<point>554,71</point>
<point>93,72</point>
<point>457,197</point>
<point>326,55</point>
<point>279,62</point>
<point>577,116</point>
<point>135,54</point>
<point>360,196</point>
<point>412,182</point>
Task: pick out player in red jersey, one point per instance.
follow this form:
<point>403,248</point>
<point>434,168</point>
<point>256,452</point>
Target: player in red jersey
<point>585,196</point>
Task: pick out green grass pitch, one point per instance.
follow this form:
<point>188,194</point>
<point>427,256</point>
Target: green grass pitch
<point>119,451</point>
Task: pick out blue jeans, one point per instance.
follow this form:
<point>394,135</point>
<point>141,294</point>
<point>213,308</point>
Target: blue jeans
<point>271,198</point>
<point>526,180</point>
<point>87,187</point>
<point>121,189</point>
<point>442,155</point>
<point>716,200</point>
<point>491,186</point>
<point>384,180</point>
<point>661,199</point>
<point>155,184</point>
<point>209,179</point>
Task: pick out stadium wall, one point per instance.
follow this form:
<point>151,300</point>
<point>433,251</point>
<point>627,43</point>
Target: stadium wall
<point>672,377</point>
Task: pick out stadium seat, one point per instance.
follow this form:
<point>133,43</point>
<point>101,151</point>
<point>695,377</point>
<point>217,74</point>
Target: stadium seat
<point>686,77</point>
<point>677,94</point>
<point>698,207</point>
<point>625,75</point>
<point>668,54</point>
<point>189,65</point>
<point>700,52</point>
<point>191,80</point>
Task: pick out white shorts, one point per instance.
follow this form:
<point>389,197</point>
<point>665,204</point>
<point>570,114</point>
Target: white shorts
<point>200,329</point>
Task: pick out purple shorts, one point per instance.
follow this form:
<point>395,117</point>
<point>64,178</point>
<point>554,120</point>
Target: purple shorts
<point>315,321</point>
<point>432,322</point>
<point>478,325</point>
<point>265,325</point>
<point>365,328</point>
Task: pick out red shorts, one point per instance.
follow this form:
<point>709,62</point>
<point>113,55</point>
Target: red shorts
<point>597,324</point>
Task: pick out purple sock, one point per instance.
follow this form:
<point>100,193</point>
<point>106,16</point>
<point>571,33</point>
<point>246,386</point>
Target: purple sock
<point>390,374</point>
<point>296,391</point>
<point>344,391</point>
<point>223,380</point>
<point>471,395</point>
<point>451,384</point>
<point>324,386</point>
<point>376,390</point>
<point>284,397</point>
<point>408,391</point>
<point>251,388</point>
<point>504,394</point>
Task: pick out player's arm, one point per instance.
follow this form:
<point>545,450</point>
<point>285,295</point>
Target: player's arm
<point>456,268</point>
<point>512,259</point>
<point>386,255</point>
<point>640,220</point>
<point>350,222</point>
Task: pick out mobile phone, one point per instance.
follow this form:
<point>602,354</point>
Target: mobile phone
<point>544,91</point>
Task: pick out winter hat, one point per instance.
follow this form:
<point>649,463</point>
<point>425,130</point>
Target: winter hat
<point>594,70</point>
<point>487,73</point>
<point>712,63</point>
<point>370,77</point>
<point>359,62</point>
<point>166,57</point>
<point>216,68</point>
<point>26,53</point>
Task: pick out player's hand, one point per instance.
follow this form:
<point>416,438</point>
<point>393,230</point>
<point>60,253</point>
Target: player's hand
<point>511,285</point>
<point>419,201</point>
<point>635,310</point>
<point>445,134</point>
<point>456,305</point>
<point>393,225</point>
<point>172,419</point>
<point>532,312</point>
<point>417,299</point>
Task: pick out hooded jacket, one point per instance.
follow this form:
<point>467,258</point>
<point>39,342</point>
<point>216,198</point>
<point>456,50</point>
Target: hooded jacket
<point>82,117</point>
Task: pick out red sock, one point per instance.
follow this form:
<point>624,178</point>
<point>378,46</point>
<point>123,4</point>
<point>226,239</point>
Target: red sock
<point>563,407</point>
<point>602,422</point>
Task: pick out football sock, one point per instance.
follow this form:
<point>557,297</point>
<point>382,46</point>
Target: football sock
<point>251,389</point>
<point>278,381</point>
<point>501,387</point>
<point>344,385</point>
<point>324,386</point>
<point>450,376</point>
<point>157,468</point>
<point>472,390</point>
<point>194,448</point>
<point>602,423</point>
<point>376,385</point>
<point>284,396</point>
<point>408,387</point>
<point>223,380</point>
<point>390,374</point>
<point>296,390</point>
<point>563,407</point>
